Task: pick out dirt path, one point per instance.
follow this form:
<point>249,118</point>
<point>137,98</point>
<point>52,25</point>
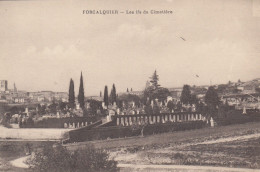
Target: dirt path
<point>184,168</point>
<point>220,140</point>
<point>32,133</point>
<point>20,162</point>
<point>223,140</point>
<point>230,139</point>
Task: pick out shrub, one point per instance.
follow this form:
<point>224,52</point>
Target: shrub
<point>5,120</point>
<point>236,117</point>
<point>170,127</point>
<point>87,134</point>
<point>59,159</point>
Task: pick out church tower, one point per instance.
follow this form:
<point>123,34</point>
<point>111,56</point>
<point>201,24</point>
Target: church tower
<point>15,89</point>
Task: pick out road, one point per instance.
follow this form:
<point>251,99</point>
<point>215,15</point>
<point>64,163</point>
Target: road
<point>20,163</point>
<point>181,168</point>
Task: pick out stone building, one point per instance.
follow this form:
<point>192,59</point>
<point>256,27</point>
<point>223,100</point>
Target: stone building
<point>3,85</point>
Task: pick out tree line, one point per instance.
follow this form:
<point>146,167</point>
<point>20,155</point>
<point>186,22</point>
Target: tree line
<point>81,96</point>
<point>153,91</point>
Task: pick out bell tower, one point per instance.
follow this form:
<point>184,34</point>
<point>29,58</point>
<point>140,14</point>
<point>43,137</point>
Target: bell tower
<point>15,89</point>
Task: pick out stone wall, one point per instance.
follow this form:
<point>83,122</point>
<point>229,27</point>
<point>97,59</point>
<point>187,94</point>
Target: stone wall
<point>140,119</point>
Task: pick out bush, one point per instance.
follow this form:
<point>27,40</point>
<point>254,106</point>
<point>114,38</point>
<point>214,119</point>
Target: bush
<point>59,159</point>
<point>236,117</point>
<point>87,134</point>
<point>171,127</point>
<point>5,121</point>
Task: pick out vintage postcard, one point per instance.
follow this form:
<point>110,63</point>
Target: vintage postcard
<point>110,85</point>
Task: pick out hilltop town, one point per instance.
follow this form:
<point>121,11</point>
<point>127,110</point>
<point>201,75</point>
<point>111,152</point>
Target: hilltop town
<point>240,94</point>
<point>31,109</point>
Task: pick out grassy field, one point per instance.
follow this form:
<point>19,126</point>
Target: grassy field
<point>240,153</point>
<point>230,146</point>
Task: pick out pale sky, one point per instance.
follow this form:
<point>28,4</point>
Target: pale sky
<point>45,43</point>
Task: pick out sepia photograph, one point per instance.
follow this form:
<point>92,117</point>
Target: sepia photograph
<point>130,86</point>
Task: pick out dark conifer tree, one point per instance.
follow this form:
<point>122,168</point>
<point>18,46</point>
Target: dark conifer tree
<point>153,90</point>
<point>81,97</point>
<point>154,80</point>
<point>110,97</point>
<point>127,90</point>
<point>211,97</point>
<point>71,94</point>
<point>186,95</point>
<point>106,96</point>
<point>113,94</point>
<point>212,101</point>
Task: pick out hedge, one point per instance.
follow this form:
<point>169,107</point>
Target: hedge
<point>120,131</point>
<point>236,117</point>
<point>170,127</point>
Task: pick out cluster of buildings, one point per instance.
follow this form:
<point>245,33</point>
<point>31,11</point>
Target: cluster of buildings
<point>242,94</point>
<point>15,96</point>
<point>239,94</point>
<point>234,93</point>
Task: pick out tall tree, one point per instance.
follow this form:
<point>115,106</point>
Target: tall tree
<point>127,90</point>
<point>113,94</point>
<point>81,97</point>
<point>186,95</point>
<point>100,94</point>
<point>154,80</point>
<point>71,94</point>
<point>211,97</point>
<point>170,105</point>
<point>194,99</point>
<point>212,101</point>
<point>106,96</point>
<point>94,106</point>
<point>154,91</point>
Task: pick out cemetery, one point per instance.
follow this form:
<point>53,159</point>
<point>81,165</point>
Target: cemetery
<point>122,126</point>
<point>66,122</point>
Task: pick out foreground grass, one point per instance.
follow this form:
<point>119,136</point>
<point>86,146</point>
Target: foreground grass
<point>242,153</point>
<point>196,150</point>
